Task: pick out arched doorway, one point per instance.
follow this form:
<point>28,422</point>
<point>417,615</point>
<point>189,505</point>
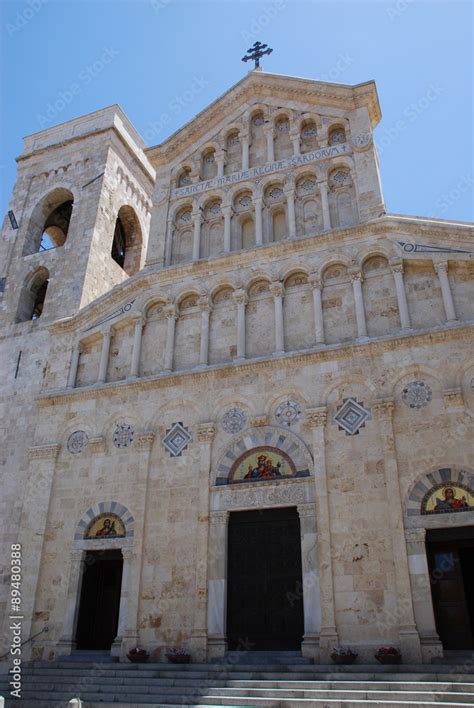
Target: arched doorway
<point>440,512</point>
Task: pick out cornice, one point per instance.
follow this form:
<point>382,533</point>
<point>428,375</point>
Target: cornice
<point>294,360</point>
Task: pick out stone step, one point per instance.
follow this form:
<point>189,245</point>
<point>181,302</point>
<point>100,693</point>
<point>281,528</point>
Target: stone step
<point>88,656</point>
<point>67,679</point>
<point>94,700</point>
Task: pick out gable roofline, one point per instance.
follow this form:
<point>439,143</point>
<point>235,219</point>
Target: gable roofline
<point>359,94</point>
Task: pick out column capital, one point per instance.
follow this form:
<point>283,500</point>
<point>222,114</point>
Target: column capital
<point>356,275</point>
<point>206,432</point>
<point>277,289</point>
<point>219,517</point>
<point>306,510</point>
<point>396,266</point>
<point>171,312</point>
<point>227,209</point>
<point>196,211</point>
<point>127,553</point>
<point>441,266</point>
<point>317,417</point>
<point>49,451</point>
<point>415,535</point>
<point>384,407</point>
<point>315,282</point>
<point>106,332</point>
<point>257,200</point>
<point>139,320</point>
<point>240,297</point>
<point>145,440</point>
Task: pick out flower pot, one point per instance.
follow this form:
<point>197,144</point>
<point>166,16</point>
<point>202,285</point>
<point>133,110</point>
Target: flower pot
<point>138,658</point>
<point>184,659</point>
<point>388,658</point>
<point>343,658</point>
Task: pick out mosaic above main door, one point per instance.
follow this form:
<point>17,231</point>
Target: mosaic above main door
<point>260,464</point>
<point>447,498</point>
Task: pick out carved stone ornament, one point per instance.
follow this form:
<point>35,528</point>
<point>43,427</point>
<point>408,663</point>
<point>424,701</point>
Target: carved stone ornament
<point>177,439</point>
<point>417,394</point>
<point>77,442</point>
<point>351,416</point>
<point>123,435</point>
<point>233,421</point>
<point>288,413</point>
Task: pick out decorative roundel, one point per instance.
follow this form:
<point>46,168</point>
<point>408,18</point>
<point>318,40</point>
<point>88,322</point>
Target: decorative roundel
<point>417,394</point>
<point>215,208</point>
<point>245,201</point>
<point>209,159</point>
<point>233,139</point>
<point>275,193</point>
<point>309,131</point>
<point>340,177</point>
<point>123,435</point>
<point>258,120</point>
<point>233,420</point>
<point>283,126</point>
<point>337,136</point>
<point>361,140</point>
<point>185,215</point>
<point>308,185</point>
<point>288,413</point>
<point>77,441</point>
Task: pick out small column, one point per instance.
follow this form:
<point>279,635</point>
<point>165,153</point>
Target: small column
<point>197,233</point>
<point>171,315</point>
<point>397,270</point>
<point>269,137</point>
<point>295,139</point>
<point>290,200</point>
<point>227,211</point>
<point>104,355</point>
<point>311,581</point>
<point>421,589</point>
<point>205,307</point>
<point>317,288</point>
<point>323,190</point>
<point>137,346</point>
<point>258,204</point>
<point>169,241</point>
<point>123,618</point>
<point>220,159</point>
<point>277,291</point>
<point>405,618</point>
<point>442,271</point>
<point>245,151</point>
<point>217,583</point>
<point>241,300</point>
<point>71,379</point>
<point>359,304</point>
<point>328,637</point>
<point>205,436</point>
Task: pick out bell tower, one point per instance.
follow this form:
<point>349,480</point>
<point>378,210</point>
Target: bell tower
<point>81,210</point>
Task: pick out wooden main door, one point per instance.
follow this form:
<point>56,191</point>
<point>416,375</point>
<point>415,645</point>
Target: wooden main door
<point>451,565</point>
<point>100,600</point>
<point>264,588</point>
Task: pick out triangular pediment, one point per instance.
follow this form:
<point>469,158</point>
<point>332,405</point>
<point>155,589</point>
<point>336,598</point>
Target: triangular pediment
<point>260,87</point>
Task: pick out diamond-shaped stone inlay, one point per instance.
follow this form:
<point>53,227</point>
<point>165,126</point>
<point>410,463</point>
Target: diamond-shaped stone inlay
<point>177,439</point>
<point>351,416</point>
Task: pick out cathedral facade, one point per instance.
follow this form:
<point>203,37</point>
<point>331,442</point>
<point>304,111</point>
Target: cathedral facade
<point>237,394</point>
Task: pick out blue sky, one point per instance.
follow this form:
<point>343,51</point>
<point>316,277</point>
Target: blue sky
<point>164,60</point>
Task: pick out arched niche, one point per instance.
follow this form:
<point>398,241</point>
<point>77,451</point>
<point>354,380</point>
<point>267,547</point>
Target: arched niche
<point>126,247</point>
<point>270,441</point>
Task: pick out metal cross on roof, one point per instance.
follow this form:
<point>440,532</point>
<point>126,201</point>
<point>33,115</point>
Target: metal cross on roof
<point>256,52</point>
